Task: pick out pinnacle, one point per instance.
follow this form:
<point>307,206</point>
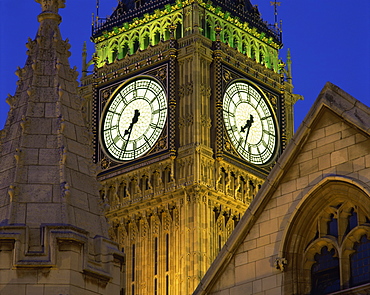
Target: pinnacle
<point>51,5</point>
<point>50,10</point>
<point>45,174</point>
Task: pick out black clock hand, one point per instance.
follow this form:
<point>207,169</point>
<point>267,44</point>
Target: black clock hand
<point>129,129</point>
<point>247,126</point>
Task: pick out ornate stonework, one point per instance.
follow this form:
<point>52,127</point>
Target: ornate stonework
<point>51,222</point>
<point>188,193</point>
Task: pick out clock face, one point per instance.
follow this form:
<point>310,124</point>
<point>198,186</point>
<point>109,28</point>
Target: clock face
<point>249,122</point>
<point>133,119</point>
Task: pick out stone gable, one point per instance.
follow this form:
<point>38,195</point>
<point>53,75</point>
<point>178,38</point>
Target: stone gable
<point>323,174</point>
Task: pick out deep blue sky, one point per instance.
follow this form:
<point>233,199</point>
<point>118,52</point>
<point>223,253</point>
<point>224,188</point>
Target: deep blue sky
<point>329,41</point>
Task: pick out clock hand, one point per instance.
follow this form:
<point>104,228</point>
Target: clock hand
<point>128,131</point>
<point>247,126</point>
<point>134,120</point>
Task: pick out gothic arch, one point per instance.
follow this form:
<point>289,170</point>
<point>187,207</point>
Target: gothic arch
<point>262,55</point>
<point>156,34</point>
<point>113,52</point>
<point>236,39</point>
<point>144,39</point>
<point>322,219</point>
<point>253,52</point>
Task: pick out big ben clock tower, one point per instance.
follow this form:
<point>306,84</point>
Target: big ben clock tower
<point>189,111</point>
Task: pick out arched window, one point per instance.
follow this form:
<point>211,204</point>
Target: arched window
<point>360,263</point>
<point>352,221</point>
<point>333,226</point>
<point>332,252</point>
<point>325,273</point>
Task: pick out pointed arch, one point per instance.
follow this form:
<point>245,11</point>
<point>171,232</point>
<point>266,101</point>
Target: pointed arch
<point>114,52</point>
<point>253,51</point>
<point>311,227</point>
<point>156,35</point>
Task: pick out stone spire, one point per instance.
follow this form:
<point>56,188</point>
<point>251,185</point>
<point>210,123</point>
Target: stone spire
<point>47,187</point>
<point>45,154</point>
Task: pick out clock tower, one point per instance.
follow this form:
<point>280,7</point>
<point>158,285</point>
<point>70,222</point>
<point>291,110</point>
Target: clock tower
<point>189,108</point>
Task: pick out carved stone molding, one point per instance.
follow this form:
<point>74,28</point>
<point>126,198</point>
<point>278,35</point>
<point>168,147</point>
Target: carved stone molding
<point>206,121</point>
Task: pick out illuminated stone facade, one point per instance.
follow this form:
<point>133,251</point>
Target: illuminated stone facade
<point>308,229</point>
<point>172,210</point>
<point>192,216</point>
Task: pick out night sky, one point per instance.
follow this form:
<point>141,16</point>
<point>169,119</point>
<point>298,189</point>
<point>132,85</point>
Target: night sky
<point>329,40</point>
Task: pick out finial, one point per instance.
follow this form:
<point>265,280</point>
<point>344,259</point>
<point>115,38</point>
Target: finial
<point>289,65</point>
<point>51,5</point>
<point>275,4</point>
<point>172,29</point>
<point>218,30</point>
<point>97,8</point>
<point>84,49</point>
<point>84,64</point>
<point>50,9</point>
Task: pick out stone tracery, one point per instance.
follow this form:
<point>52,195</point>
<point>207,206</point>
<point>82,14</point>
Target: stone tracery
<point>339,226</point>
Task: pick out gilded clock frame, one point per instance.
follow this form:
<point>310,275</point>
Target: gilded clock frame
<point>115,153</point>
<point>164,147</point>
<point>224,150</point>
<point>250,156</point>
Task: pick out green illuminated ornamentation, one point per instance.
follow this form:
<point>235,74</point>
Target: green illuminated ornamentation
<point>168,7</point>
<point>152,28</point>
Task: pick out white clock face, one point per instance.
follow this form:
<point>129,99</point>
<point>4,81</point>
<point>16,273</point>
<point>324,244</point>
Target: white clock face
<point>249,122</point>
<point>133,119</point>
